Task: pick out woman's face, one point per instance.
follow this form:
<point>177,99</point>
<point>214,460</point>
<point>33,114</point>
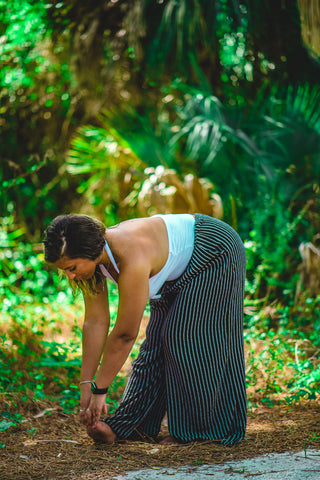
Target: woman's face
<point>77,268</point>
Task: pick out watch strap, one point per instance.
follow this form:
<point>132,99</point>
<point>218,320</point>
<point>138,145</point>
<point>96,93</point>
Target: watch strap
<point>98,391</point>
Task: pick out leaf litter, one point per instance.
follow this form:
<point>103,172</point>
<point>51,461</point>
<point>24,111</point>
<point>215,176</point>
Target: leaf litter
<point>59,449</point>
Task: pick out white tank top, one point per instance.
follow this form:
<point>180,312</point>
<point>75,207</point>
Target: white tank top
<point>180,229</point>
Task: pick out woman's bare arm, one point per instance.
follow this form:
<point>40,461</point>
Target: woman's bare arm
<point>133,297</point>
<point>94,335</point>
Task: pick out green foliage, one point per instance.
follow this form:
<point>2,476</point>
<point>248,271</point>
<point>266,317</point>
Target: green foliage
<point>110,160</point>
<point>179,23</point>
<point>280,366</point>
<point>40,339</point>
<point>256,156</point>
<point>26,64</point>
<point>102,163</point>
<point>46,92</point>
<point>22,267</point>
<point>235,47</point>
<point>25,28</point>
<point>36,111</point>
<point>272,256</point>
<point>260,147</point>
<point>26,290</point>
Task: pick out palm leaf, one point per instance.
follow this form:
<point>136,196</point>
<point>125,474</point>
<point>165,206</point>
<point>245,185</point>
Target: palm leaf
<point>184,25</point>
<point>123,140</point>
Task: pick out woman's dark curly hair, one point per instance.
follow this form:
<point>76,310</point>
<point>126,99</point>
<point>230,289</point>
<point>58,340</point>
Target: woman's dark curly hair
<point>76,236</point>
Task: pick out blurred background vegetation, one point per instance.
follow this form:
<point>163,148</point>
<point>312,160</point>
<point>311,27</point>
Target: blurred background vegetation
<point>121,108</point>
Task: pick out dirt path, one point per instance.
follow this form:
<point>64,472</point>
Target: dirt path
<point>54,446</point>
<point>303,465</point>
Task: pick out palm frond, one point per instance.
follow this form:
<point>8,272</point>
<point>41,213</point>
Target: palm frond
<point>302,104</point>
<point>183,22</point>
<point>290,126</point>
<point>145,138</point>
<point>289,137</point>
<point>207,128</point>
<point>124,139</point>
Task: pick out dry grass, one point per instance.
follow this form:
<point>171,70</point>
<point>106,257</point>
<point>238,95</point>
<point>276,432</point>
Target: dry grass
<point>55,446</point>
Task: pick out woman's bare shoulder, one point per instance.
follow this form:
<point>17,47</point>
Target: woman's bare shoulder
<point>141,240</point>
<point>136,230</point>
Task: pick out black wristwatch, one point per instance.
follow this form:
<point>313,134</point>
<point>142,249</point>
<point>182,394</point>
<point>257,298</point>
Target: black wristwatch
<point>98,391</point>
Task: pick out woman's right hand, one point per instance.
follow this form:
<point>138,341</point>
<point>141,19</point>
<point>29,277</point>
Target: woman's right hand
<point>85,398</point>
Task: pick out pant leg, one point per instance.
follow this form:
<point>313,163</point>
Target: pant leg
<point>203,343</point>
<point>143,405</point>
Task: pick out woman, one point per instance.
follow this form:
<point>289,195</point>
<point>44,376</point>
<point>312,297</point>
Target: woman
<point>191,365</point>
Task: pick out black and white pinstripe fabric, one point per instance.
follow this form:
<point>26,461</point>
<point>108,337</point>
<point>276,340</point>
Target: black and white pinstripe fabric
<point>191,364</point>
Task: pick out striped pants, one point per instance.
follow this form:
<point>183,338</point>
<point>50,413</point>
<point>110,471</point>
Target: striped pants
<point>191,364</point>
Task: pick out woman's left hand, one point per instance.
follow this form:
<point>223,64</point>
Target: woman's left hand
<point>96,406</point>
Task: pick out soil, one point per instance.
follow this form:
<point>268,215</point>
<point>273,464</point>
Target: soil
<point>54,446</point>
